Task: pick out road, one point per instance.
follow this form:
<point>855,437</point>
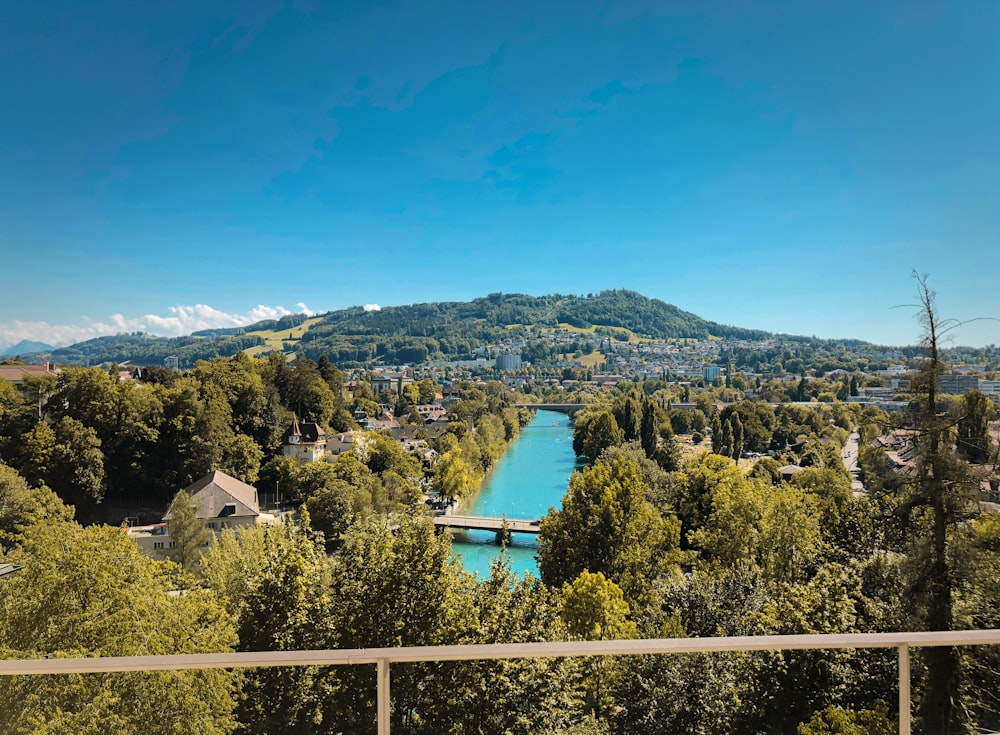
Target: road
<point>850,457</point>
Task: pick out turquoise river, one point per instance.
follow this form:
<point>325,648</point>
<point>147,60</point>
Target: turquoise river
<point>530,478</point>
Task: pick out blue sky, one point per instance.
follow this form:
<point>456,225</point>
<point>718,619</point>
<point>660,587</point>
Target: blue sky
<point>782,166</point>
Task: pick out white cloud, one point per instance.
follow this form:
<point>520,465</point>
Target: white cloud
<point>373,307</point>
<point>181,321</point>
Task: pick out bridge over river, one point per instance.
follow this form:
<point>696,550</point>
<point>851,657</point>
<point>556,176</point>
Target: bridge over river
<point>487,523</point>
<point>561,407</point>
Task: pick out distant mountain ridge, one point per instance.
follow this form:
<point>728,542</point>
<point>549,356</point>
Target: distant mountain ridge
<point>413,333</point>
<point>25,347</point>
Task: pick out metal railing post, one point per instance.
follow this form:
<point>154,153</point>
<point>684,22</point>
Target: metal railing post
<point>382,701</point>
<point>904,689</point>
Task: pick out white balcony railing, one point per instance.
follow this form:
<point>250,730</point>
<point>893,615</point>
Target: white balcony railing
<point>383,657</point>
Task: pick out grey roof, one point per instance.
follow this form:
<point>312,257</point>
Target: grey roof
<point>6,569</point>
<point>216,490</point>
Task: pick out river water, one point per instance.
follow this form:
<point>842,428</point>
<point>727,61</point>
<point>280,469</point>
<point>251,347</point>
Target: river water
<point>530,478</point>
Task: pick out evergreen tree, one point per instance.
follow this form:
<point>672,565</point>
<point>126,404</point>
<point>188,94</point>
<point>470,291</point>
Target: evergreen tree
<point>738,438</point>
<point>726,441</point>
<point>647,429</point>
<point>717,443</point>
<point>629,419</point>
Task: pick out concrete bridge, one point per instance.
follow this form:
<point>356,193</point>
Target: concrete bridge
<point>483,523</point>
<point>563,407</point>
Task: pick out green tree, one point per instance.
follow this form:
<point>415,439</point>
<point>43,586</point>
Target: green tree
<point>238,381</point>
<point>428,390</point>
<point>189,537</point>
<point>330,508</point>
<point>725,447</point>
<point>608,525</point>
<point>832,487</point>
<point>22,506</point>
<point>836,721</point>
<point>67,458</point>
<point>124,418</point>
<point>454,478</point>
<point>35,453</point>
<point>91,592</point>
<point>716,429</point>
<point>594,608</point>
<point>695,483</point>
<point>368,492</point>
<point>791,538</point>
<point>628,418</point>
<point>601,432</point>
<point>973,429</point>
<point>521,696</point>
<point>978,607</point>
<point>76,467</point>
<point>282,604</point>
<point>738,440</point>
<point>398,587</point>
<point>241,458</point>
<point>648,429</point>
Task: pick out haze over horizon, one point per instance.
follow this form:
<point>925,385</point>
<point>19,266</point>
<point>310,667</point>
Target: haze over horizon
<point>770,167</point>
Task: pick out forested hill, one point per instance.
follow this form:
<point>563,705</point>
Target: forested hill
<point>411,334</point>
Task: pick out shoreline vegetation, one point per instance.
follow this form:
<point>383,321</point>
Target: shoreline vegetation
<point>468,501</point>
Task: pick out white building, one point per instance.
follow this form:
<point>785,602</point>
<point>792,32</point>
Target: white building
<point>222,502</point>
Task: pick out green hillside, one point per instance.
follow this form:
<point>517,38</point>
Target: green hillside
<point>444,330</point>
<point>411,334</point>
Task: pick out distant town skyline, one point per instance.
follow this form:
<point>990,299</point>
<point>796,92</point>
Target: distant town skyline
<point>782,168</point>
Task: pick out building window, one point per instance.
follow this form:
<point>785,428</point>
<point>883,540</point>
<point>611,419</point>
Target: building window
<point>158,545</point>
<point>172,544</point>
